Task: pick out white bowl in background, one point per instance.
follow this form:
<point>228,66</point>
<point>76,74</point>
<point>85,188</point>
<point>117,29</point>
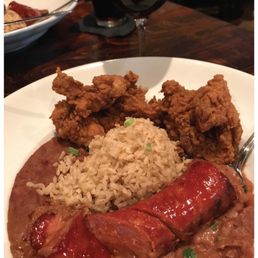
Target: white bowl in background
<point>18,39</point>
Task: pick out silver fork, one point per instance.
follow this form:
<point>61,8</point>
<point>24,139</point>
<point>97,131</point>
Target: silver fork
<point>241,158</point>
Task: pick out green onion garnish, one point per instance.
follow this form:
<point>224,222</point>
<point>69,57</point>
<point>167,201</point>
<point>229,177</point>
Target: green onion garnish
<point>214,225</point>
<point>148,147</point>
<point>73,151</point>
<point>129,121</point>
<point>189,253</point>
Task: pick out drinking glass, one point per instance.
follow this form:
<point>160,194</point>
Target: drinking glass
<point>139,9</point>
<point>106,14</point>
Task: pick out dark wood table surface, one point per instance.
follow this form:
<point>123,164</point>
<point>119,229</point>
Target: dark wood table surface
<point>173,31</point>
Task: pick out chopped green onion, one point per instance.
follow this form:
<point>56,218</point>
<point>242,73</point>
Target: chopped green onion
<point>129,121</point>
<point>148,147</point>
<point>214,225</point>
<point>189,253</point>
<point>73,151</point>
<point>244,188</point>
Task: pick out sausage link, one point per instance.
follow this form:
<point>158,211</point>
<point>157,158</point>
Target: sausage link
<point>202,193</point>
<point>130,233</point>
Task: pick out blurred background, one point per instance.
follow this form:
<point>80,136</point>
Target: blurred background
<point>238,12</point>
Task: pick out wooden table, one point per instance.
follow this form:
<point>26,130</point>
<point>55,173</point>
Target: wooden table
<point>173,31</point>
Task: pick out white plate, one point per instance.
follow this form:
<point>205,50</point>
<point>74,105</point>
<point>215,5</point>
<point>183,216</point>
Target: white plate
<point>27,124</point>
<point>18,39</point>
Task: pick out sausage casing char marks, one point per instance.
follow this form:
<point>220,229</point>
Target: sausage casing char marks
<point>154,227</point>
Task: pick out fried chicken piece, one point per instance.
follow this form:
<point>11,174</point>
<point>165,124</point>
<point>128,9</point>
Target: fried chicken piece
<point>205,121</point>
<point>85,100</point>
<point>93,110</point>
<point>71,126</point>
<point>133,103</point>
<point>74,117</point>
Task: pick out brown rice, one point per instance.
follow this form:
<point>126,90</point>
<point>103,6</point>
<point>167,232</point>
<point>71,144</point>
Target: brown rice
<point>129,163</point>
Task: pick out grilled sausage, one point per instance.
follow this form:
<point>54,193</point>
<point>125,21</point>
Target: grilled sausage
<point>53,237</point>
<point>150,228</point>
<point>131,233</point>
<point>202,193</point>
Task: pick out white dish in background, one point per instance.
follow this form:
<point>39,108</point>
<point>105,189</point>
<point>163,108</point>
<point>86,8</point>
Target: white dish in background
<point>18,39</point>
<point>26,116</point>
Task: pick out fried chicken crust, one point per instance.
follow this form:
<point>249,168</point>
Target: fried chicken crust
<point>86,100</point>
<point>205,121</point>
<point>94,109</point>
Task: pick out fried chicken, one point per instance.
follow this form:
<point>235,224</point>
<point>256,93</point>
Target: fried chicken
<point>102,94</point>
<point>73,127</point>
<point>95,109</point>
<point>204,121</point>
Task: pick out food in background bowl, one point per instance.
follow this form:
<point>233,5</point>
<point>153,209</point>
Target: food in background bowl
<point>20,38</point>
<point>11,16</point>
<point>16,11</point>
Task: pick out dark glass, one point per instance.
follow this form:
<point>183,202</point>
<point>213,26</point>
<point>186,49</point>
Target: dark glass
<point>138,8</point>
<point>107,14</point>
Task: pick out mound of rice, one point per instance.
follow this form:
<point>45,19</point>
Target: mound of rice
<point>129,163</point>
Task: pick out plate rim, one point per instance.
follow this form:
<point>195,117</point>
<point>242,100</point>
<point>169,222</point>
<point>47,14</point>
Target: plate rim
<point>99,63</point>
<point>81,67</point>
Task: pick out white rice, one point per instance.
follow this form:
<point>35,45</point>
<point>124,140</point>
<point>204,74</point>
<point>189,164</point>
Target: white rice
<point>129,163</point>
